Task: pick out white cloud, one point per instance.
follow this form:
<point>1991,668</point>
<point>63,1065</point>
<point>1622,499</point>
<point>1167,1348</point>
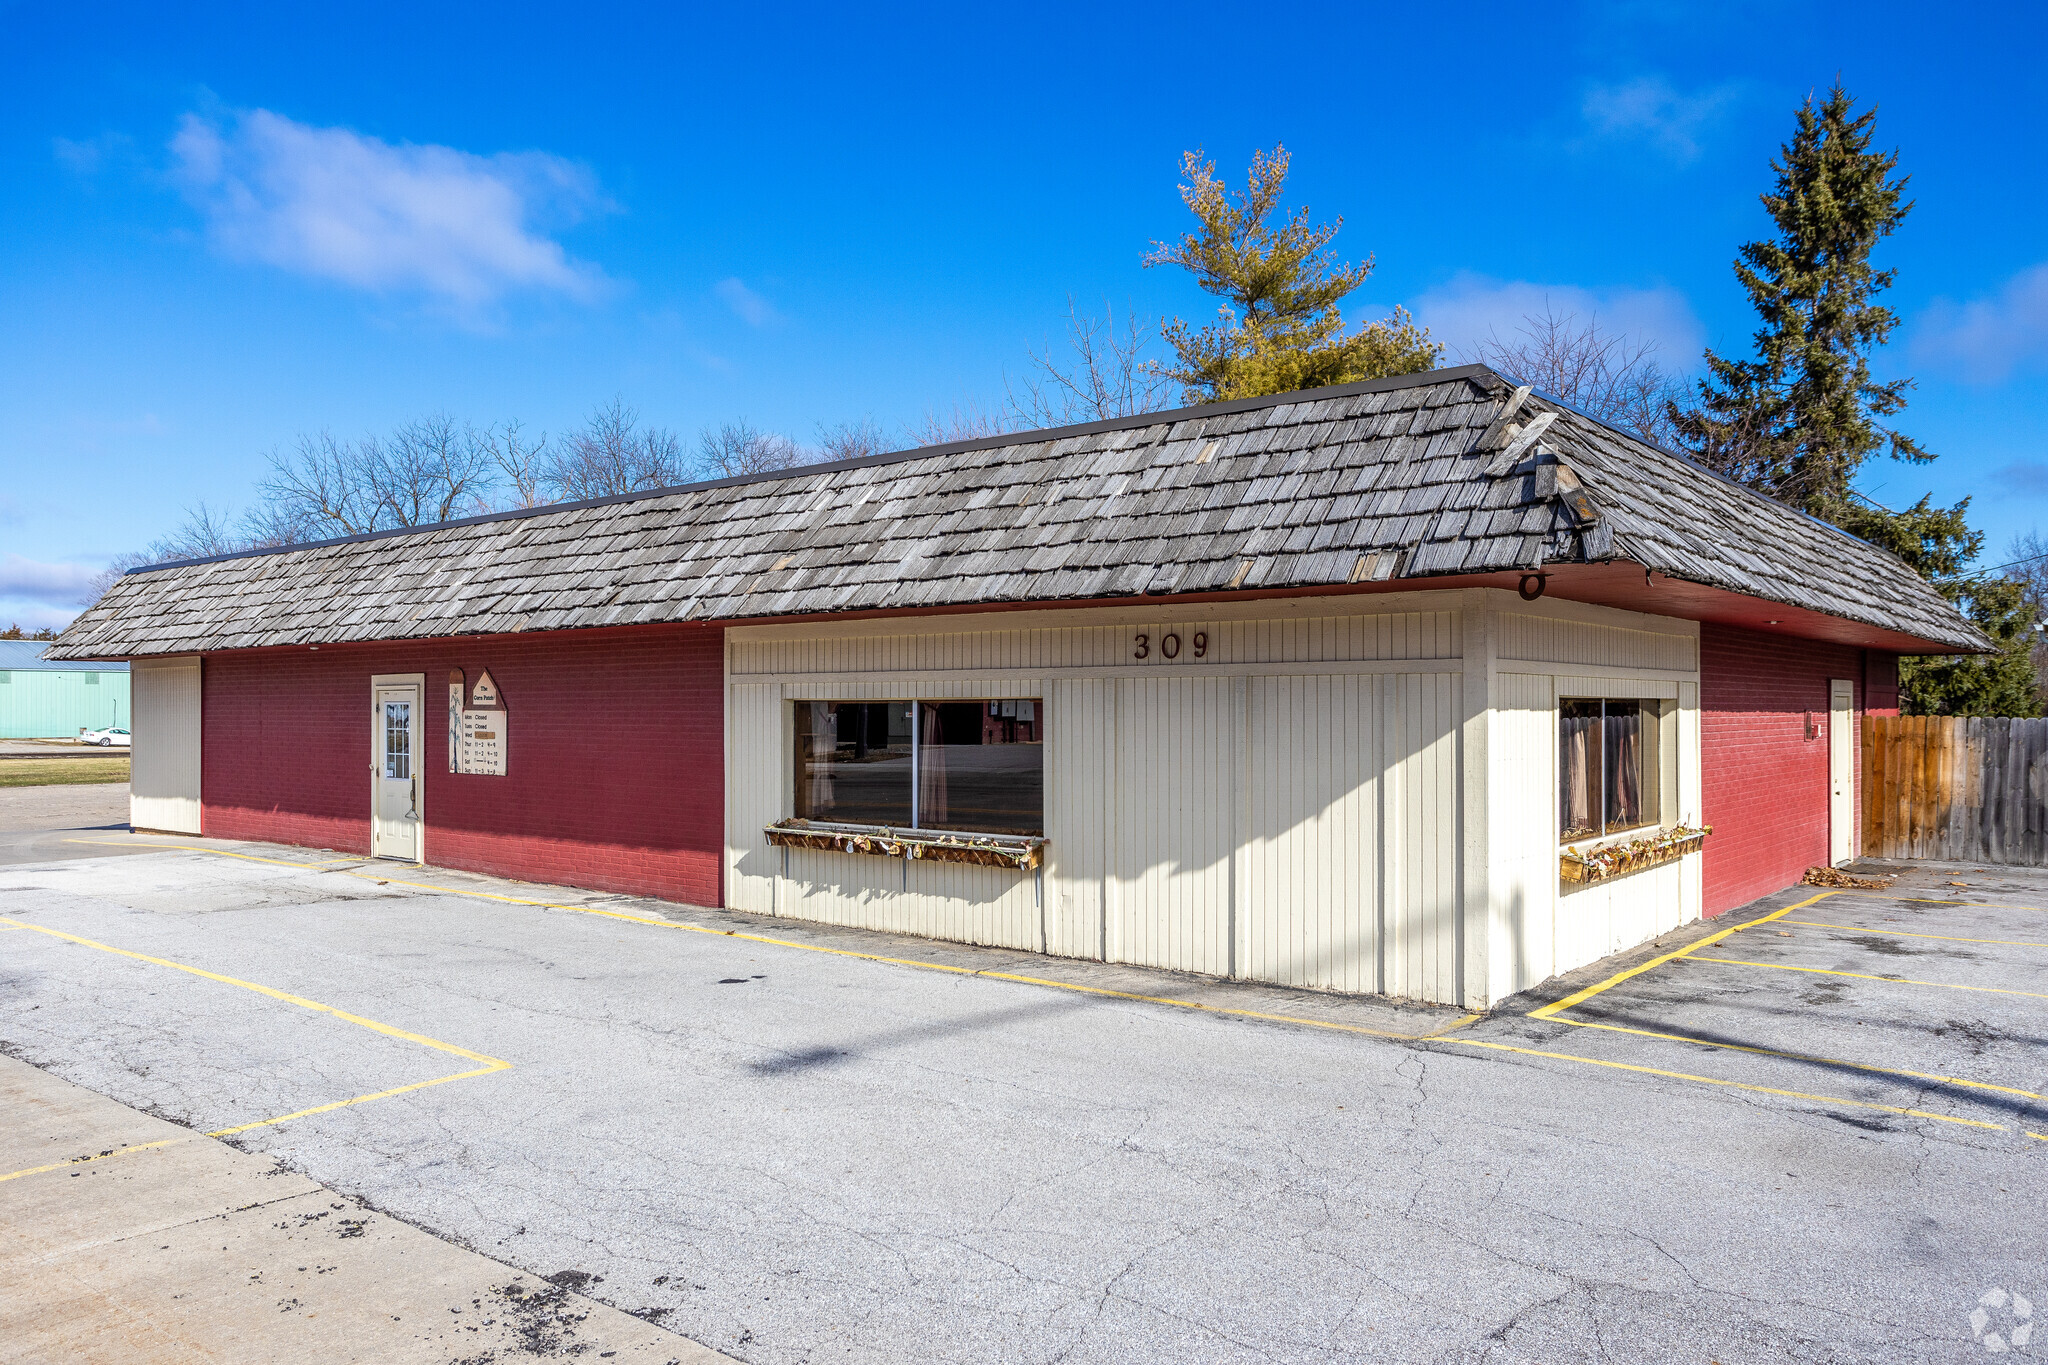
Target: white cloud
<point>462,229</point>
<point>748,306</point>
<point>1651,109</point>
<point>84,156</point>
<point>1471,308</point>
<point>2028,477</point>
<point>28,580</point>
<point>1985,339</point>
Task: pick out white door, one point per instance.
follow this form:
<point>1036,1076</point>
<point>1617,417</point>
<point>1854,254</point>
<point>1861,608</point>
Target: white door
<point>1841,770</point>
<point>395,805</point>
<point>163,789</point>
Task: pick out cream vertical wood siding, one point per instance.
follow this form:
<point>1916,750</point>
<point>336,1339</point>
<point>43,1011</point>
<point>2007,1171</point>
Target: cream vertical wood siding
<point>1273,791</point>
<point>163,785</point>
<point>1313,884</point>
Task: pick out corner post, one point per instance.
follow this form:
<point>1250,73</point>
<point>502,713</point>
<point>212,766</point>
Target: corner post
<point>1476,912</point>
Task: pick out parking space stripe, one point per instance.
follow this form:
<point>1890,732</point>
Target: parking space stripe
<point>1731,1085</point>
<point>1901,933</point>
<point>359,1099</point>
<point>1938,900</point>
<point>1580,997</point>
<point>1806,1057</point>
<point>1867,976</point>
<point>917,963</point>
<point>83,1160</point>
<point>490,1064</point>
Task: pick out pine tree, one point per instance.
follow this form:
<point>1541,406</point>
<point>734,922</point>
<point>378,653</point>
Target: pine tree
<point>1800,418</point>
<point>1279,328</point>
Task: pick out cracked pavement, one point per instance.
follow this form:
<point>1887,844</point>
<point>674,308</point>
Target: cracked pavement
<point>794,1156</point>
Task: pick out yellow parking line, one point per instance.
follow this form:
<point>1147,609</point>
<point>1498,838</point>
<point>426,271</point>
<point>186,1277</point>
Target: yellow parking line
<point>82,1160</point>
<point>1866,976</point>
<point>1732,1085</point>
<point>1805,1057</point>
<point>490,1064</point>
<point>191,848</point>
<point>1940,900</point>
<point>1901,933</point>
<point>360,1099</point>
<point>1580,997</point>
<point>917,963</point>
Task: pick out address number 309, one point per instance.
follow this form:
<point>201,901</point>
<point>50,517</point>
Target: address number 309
<point>1170,646</point>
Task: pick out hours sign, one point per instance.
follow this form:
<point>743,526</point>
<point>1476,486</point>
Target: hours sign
<point>483,743</point>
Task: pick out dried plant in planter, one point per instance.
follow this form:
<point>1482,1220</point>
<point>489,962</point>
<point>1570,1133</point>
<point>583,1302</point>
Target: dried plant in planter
<point>1666,845</point>
<point>1022,852</point>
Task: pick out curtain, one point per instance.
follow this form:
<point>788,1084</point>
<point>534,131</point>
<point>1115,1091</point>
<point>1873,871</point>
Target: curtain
<point>824,740</point>
<point>931,767</point>
<point>1624,764</point>
<point>1575,790</point>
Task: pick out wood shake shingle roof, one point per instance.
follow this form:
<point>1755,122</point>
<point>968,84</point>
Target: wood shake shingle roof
<point>1375,481</point>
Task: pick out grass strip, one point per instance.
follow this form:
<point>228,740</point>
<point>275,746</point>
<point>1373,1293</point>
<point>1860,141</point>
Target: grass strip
<point>53,772</point>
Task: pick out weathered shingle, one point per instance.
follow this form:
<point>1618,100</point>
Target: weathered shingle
<point>1300,485</point>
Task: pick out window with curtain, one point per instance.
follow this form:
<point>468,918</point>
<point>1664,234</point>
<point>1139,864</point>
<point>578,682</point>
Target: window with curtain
<point>971,766</point>
<point>853,761</point>
<point>1607,767</point>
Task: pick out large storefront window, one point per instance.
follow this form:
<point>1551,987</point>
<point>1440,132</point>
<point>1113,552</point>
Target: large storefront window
<point>853,761</point>
<point>1607,767</point>
<point>971,766</point>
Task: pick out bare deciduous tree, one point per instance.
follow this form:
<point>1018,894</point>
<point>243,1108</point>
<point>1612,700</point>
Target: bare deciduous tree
<point>2028,567</point>
<point>207,531</point>
<point>733,449</point>
<point>319,486</point>
<point>521,461</point>
<point>434,469</point>
<point>1608,375</point>
<point>428,470</point>
<point>1109,375</point>
<point>106,578</point>
<point>852,440</point>
<point>614,454</point>
<point>967,421</point>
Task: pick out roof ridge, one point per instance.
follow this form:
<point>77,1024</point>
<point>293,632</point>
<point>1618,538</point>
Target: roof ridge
<point>1035,436</point>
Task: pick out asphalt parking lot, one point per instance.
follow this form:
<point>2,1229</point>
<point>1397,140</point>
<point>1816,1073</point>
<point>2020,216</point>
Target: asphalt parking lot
<point>1817,1137</point>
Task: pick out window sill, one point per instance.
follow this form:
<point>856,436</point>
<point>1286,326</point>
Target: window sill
<point>1591,864</point>
<point>1020,851</point>
<point>1593,842</point>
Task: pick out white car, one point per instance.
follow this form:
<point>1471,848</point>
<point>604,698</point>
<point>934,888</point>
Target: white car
<point>107,738</point>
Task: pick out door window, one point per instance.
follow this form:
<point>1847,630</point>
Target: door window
<point>398,739</point>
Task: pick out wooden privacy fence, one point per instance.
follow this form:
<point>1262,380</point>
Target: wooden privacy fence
<point>1959,788</point>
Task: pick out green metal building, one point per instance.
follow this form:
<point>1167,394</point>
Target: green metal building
<point>51,699</point>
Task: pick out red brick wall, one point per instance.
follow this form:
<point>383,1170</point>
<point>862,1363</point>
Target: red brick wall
<point>615,761</point>
<point>1764,785</point>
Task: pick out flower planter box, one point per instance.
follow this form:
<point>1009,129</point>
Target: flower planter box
<point>1618,860</point>
<point>1020,851</point>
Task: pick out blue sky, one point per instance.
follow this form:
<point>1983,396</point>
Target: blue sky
<point>221,228</point>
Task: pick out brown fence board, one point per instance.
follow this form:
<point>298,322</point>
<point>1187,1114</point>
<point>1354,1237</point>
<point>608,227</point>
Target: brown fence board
<point>1963,789</point>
